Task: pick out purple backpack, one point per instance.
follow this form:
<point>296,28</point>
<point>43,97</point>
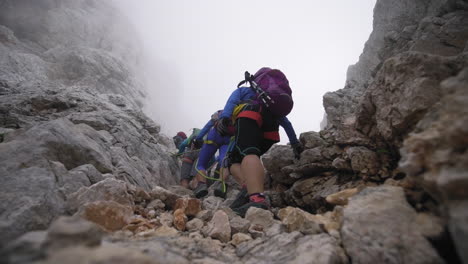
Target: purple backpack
<point>272,88</point>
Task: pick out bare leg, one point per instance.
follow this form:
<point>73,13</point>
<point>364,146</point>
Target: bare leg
<point>235,170</point>
<point>253,172</point>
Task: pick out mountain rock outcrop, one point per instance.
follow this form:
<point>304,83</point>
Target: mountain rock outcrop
<point>70,110</point>
<point>400,119</point>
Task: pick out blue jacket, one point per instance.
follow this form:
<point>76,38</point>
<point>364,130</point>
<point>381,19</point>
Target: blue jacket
<point>239,95</point>
<point>246,93</point>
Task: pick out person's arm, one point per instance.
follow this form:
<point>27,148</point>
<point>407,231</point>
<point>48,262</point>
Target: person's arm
<point>205,130</point>
<point>183,145</point>
<point>286,124</point>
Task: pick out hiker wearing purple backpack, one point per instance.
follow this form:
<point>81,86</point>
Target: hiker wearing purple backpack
<point>253,115</point>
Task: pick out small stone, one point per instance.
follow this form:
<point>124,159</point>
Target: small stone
<point>151,214</point>
<point>258,216</point>
<point>196,235</point>
<point>147,233</point>
<point>341,198</point>
<point>167,197</point>
<point>239,238</point>
<point>239,225</point>
<point>156,205</point>
<point>190,206</point>
<point>212,203</point>
<point>219,227</point>
<point>205,215</point>
<point>165,231</point>
<point>141,195</point>
<point>180,219</point>
<point>296,219</point>
<point>256,231</point>
<point>195,225</point>
<point>166,219</point>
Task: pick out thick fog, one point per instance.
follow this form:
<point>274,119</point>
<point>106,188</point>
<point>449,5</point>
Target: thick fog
<point>197,52</point>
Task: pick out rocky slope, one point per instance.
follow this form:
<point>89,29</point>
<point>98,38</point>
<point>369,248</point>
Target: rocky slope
<point>384,182</point>
<point>70,110</point>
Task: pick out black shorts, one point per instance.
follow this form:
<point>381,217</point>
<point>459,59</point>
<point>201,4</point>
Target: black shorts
<point>254,127</point>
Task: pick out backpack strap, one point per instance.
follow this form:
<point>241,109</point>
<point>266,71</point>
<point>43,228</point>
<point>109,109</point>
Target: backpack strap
<point>266,99</point>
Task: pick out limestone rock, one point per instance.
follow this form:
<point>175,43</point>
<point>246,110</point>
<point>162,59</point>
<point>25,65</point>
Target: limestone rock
<point>297,220</point>
<point>72,231</point>
<point>363,160</point>
<point>167,197</point>
<point>292,248</point>
<point>219,228</point>
<point>256,231</point>
<point>166,219</point>
<point>205,215</point>
<point>239,225</point>
<point>378,223</point>
<point>240,238</point>
<point>25,249</point>
<point>311,140</point>
<point>110,215</point>
<point>190,206</point>
<point>104,255</point>
<point>341,197</point>
<point>432,156</point>
<point>258,216</point>
<point>195,225</point>
<point>181,191</point>
<point>278,157</point>
<point>212,203</point>
<point>106,190</point>
<point>156,204</point>
<point>166,231</point>
<point>341,164</point>
<point>180,219</point>
<point>310,194</point>
<point>139,224</point>
<point>430,226</point>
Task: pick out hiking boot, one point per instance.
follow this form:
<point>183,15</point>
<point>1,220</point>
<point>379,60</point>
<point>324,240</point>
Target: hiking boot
<point>218,191</point>
<point>241,211</point>
<point>201,190</point>
<point>241,199</point>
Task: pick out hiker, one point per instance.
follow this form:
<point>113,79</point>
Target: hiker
<point>255,114</point>
<point>189,150</point>
<point>179,138</point>
<point>213,142</point>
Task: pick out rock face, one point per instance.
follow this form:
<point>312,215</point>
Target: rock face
<point>70,109</point>
<point>365,239</point>
<point>435,156</point>
<point>402,113</point>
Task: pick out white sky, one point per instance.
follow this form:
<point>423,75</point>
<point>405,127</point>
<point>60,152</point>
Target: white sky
<point>199,51</point>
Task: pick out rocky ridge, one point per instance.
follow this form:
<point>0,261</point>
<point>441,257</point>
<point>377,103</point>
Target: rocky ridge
<point>70,110</point>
